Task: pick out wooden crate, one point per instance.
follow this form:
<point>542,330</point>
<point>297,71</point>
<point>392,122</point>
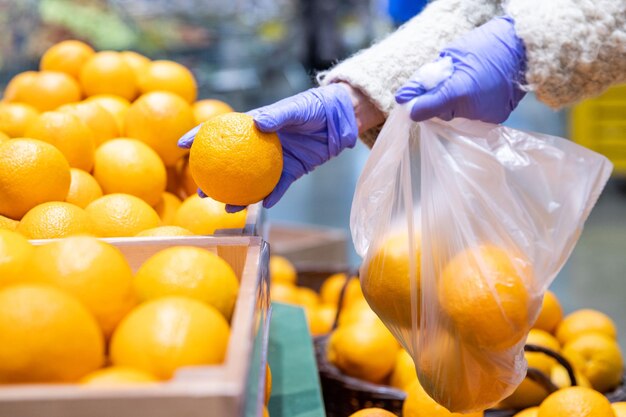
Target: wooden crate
<point>232,389</point>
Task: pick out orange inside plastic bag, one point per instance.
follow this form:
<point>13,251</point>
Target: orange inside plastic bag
<point>462,226</point>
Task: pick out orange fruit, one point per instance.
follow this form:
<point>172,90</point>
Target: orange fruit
<point>234,162</point>
<point>117,106</point>
<point>15,251</point>
<point>203,216</point>
<point>167,207</point>
<point>116,376</point>
<point>367,351</point>
<point>284,293</point>
<point>190,272</point>
<point>373,412</point>
<point>619,409</point>
<point>386,283</point>
<point>53,220</point>
<point>107,72</point>
<point>15,118</point>
<point>357,312</point>
<point>31,172</point>
<point>47,90</point>
<point>203,110</point>
<point>8,224</point>
<point>118,215</point>
<point>494,285</point>
<point>66,56</point>
<point>68,134</point>
<point>551,313</point>
<point>560,377</point>
<point>94,272</point>
<point>100,121</point>
<point>307,298</point>
<point>168,76</point>
<point>419,404</point>
<point>83,188</point>
<point>576,402</point>
<point>598,357</point>
<point>165,231</point>
<point>321,319</point>
<point>403,373</point>
<point>136,61</point>
<point>462,378</point>
<point>529,412</point>
<point>159,119</point>
<point>281,270</point>
<point>185,181</point>
<point>16,85</point>
<point>53,337</point>
<point>129,166</point>
<point>585,321</point>
<point>162,335</point>
<point>332,286</point>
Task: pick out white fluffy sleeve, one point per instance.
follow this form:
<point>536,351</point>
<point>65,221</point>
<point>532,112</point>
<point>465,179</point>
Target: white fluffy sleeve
<point>384,67</point>
<point>575,48</point>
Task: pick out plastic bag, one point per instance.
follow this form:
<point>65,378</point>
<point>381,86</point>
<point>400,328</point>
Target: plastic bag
<point>462,226</point>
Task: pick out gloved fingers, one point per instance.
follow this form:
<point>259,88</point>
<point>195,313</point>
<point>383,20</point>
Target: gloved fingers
<point>234,209</point>
<point>434,103</point>
<point>291,111</point>
<point>201,193</point>
<point>277,193</point>
<point>273,118</point>
<point>186,140</point>
<point>409,91</point>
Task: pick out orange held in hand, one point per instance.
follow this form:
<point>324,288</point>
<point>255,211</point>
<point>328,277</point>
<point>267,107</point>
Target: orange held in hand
<point>233,162</point>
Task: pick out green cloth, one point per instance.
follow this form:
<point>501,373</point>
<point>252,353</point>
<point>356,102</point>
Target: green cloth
<point>295,380</point>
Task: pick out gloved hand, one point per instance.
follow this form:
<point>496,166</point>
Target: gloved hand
<point>488,68</point>
<point>313,126</point>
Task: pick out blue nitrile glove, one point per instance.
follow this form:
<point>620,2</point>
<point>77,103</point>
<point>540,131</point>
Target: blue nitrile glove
<point>488,69</point>
<point>313,126</point>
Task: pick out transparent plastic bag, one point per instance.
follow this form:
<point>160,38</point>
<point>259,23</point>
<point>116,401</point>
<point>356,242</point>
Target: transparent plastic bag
<point>462,226</point>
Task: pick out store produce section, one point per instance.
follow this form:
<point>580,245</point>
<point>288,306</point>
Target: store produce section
<point>125,290</point>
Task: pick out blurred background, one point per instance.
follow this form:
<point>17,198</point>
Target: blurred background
<point>253,52</point>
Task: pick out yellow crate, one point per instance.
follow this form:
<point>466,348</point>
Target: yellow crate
<point>600,124</point>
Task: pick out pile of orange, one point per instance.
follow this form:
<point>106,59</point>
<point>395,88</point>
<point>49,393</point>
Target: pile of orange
<point>88,146</point>
<point>586,338</point>
<point>74,311</point>
<point>320,308</point>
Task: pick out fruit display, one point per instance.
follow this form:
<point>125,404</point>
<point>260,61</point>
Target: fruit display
<point>76,312</point>
<point>585,338</point>
<point>88,146</point>
<point>83,314</point>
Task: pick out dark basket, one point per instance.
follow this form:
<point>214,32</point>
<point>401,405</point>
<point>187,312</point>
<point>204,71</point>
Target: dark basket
<point>344,395</point>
